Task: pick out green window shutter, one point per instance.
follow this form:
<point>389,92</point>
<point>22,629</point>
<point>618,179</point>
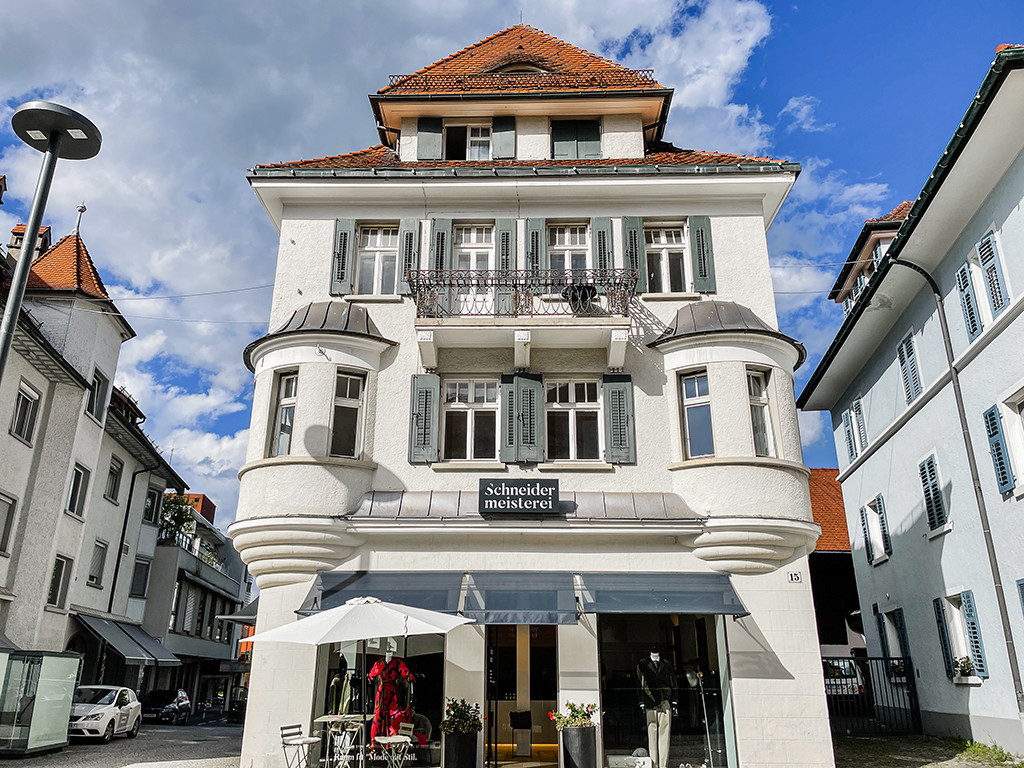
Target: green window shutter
<point>883,637</point>
<point>505,243</point>
<point>441,244</point>
<point>423,421</point>
<point>619,419</point>
<point>503,137</point>
<point>601,243</point>
<point>563,140</point>
<point>867,534</point>
<point>908,369</point>
<point>995,283</point>
<point>429,131</point>
<point>408,251</point>
<point>507,392</point>
<point>702,254</point>
<point>633,249</point>
<point>940,621</point>
<point>343,260</point>
<point>900,623</point>
<point>997,447</point>
<point>883,524</point>
<point>529,418</point>
<point>933,503</point>
<point>968,301</point>
<point>536,244</point>
<point>588,139</point>
<point>859,423</point>
<point>973,628</point>
<point>851,443</point>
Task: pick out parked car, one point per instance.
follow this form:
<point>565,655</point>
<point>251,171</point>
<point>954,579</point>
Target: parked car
<point>103,711</point>
<point>236,709</point>
<point>844,686</point>
<point>167,706</point>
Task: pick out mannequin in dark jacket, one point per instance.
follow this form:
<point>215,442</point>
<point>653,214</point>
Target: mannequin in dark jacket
<point>656,688</point>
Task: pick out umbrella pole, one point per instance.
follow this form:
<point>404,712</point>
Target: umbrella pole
<point>362,701</point>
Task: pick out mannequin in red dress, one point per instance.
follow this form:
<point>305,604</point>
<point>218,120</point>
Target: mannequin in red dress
<point>388,713</point>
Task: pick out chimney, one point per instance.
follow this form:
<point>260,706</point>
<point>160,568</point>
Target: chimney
<point>18,237</point>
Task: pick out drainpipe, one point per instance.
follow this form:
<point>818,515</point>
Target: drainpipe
<point>993,562</point>
<point>124,533</point>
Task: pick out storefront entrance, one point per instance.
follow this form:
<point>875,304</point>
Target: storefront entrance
<point>522,688</point>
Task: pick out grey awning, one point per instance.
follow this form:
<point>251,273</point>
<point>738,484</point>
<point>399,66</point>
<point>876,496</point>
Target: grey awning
<point>244,615</point>
<point>517,597</point>
<point>709,593</point>
<point>432,590</point>
<point>152,646</point>
<point>110,633</point>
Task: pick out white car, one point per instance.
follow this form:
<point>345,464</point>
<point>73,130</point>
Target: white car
<point>103,711</point>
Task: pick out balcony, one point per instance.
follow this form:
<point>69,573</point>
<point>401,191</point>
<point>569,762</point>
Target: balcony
<point>193,544</point>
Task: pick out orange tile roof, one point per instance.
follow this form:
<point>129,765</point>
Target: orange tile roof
<point>482,68</point>
<point>19,229</point>
<point>67,266</point>
<point>379,156</point>
<point>827,506</point>
<point>899,213</point>
<point>1004,46</point>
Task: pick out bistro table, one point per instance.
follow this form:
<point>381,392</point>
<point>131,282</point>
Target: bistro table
<point>344,733</point>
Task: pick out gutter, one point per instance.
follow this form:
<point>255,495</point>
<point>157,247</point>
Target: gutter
<point>124,533</point>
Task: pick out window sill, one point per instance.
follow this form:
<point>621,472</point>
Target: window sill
<point>19,438</point>
<point>94,417</point>
<point>330,461</point>
<point>941,530</point>
<point>883,558</point>
<point>73,516</point>
<point>743,461</point>
<point>374,298</point>
<point>56,609</point>
<point>967,680</point>
<point>469,466</point>
<point>681,296</point>
<point>112,500</point>
<point>93,585</point>
<point>576,466</point>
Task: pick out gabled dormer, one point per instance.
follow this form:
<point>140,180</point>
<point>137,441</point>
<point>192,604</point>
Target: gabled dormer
<point>521,95</point>
<point>867,253</point>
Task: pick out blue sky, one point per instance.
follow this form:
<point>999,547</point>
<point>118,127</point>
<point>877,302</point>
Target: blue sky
<point>189,95</point>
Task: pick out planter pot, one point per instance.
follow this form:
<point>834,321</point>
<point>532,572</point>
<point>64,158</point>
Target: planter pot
<point>579,747</point>
<point>460,750</point>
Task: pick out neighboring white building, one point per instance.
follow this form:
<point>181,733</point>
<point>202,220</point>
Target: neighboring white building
<point>524,287</point>
<point>932,499</point>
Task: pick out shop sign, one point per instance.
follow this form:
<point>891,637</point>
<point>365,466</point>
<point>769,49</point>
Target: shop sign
<point>518,497</point>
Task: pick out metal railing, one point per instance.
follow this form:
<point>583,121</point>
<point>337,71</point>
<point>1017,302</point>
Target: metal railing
<point>522,293</point>
<point>513,81</point>
<point>192,544</point>
<point>871,695</point>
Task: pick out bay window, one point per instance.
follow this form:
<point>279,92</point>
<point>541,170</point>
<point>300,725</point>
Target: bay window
<point>760,417</point>
<point>698,438</point>
<point>346,423</point>
<point>284,418</point>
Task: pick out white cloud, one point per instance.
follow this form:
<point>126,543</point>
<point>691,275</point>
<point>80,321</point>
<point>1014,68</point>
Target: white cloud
<point>800,110</point>
<point>813,427</point>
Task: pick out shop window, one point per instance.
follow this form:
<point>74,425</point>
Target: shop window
<point>154,499</point>
<point>347,422</point>
<point>572,420</point>
<point>60,578</point>
<point>377,262</point>
<point>26,407</point>
<point>284,413</point>
<point>963,651</point>
<point>97,564</point>
<point>760,415</point>
<point>99,391</point>
<point>113,486</point>
<point>470,420</point>
<point>7,509</point>
<point>140,579</point>
<point>78,491</point>
<point>698,437</point>
<point>666,260</point>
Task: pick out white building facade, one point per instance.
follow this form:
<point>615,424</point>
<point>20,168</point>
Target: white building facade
<point>928,474</point>
<point>526,289</point>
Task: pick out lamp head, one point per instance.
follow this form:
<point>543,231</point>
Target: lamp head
<point>35,122</point>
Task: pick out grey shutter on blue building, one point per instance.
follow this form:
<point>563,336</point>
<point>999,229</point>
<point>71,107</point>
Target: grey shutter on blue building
<point>973,628</point>
<point>859,423</point>
<point>507,391</point>
<point>423,421</point>
<point>934,506</point>
<point>997,447</point>
<point>995,283</point>
<point>342,262</point>
<point>536,244</point>
<point>883,637</point>
<point>883,524</point>
<point>908,369</point>
<point>702,254</point>
<point>503,137</point>
<point>441,244</point>
<point>900,625</point>
<point>868,551</point>
<point>634,251</point>
<point>408,251</point>
<point>429,131</point>
<point>968,301</point>
<point>601,243</point>
<point>619,419</point>
<point>851,443</point>
<point>529,417</point>
<point>940,621</point>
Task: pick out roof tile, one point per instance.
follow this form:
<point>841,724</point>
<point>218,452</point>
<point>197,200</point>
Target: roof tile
<point>827,506</point>
<point>67,266</point>
<point>899,213</point>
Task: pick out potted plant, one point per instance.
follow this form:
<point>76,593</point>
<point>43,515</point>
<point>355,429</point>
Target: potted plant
<point>460,727</point>
<point>964,666</point>
<point>578,735</point>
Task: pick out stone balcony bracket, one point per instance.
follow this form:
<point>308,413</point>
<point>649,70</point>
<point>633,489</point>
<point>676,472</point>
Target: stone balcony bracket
<point>741,545</point>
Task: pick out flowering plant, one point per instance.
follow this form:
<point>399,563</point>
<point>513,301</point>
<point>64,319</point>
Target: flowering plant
<point>964,666</point>
<point>461,717</point>
<point>580,716</point>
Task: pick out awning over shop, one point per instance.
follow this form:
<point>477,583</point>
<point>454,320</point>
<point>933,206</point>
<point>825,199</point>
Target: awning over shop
<point>516,597</point>
<point>432,590</point>
<point>110,633</point>
<point>708,593</point>
<point>150,645</point>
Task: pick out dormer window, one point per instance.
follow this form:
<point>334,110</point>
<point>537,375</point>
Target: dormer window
<point>467,141</point>
<point>576,139</point>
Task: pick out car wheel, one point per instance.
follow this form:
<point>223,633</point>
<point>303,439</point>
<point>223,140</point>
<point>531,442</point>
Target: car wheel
<point>135,728</point>
<point>109,733</point>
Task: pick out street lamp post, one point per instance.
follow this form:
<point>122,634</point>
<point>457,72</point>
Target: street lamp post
<point>57,132</point>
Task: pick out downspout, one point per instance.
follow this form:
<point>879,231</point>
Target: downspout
<point>993,562</point>
<point>124,533</point>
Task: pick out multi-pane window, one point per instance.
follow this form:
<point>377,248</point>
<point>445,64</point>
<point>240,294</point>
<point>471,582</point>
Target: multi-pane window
<point>698,438</point>
<point>474,247</point>
<point>572,417</point>
<point>467,142</point>
<point>666,260</point>
<point>113,486</point>
<point>760,418</point>
<point>57,594</point>
<point>140,579</point>
<point>348,400</point>
<point>377,263</point>
<point>78,490</point>
<point>479,142</point>
<point>99,391</point>
<point>470,414</point>
<point>568,246</point>
<point>96,565</point>
<point>7,508</point>
<point>26,406</point>
<point>284,415</point>
<point>151,512</point>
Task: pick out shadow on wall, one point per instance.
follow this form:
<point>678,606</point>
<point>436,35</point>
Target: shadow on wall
<point>750,654</point>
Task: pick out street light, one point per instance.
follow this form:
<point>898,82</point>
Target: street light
<point>57,132</point>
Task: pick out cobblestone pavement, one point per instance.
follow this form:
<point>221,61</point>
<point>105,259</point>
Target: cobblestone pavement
<point>214,745</point>
<point>908,752</point>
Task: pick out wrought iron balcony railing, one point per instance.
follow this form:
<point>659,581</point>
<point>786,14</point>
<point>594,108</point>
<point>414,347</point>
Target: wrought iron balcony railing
<point>522,293</point>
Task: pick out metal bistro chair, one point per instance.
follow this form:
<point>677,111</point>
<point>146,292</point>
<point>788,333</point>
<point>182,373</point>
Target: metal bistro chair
<point>396,747</point>
<point>343,737</point>
<point>293,740</point>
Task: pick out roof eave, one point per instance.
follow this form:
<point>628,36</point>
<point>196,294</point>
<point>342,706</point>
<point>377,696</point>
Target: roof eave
<point>870,228</point>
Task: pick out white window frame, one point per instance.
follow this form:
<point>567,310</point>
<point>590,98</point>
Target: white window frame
<point>94,578</point>
<point>689,402</point>
<point>761,401</point>
<point>658,245</point>
<point>379,242</point>
<point>78,491</point>
<point>473,249</point>
<point>980,282</point>
<point>67,566</point>
<point>878,553</point>
<point>573,406</point>
<point>99,394</point>
<point>575,238</point>
<point>286,394</point>
<point>956,627</point>
<point>349,402</point>
<point>145,587</point>
<point>27,400</point>
<point>114,476</point>
<point>7,521</point>
<point>471,406</point>
<point>470,125</point>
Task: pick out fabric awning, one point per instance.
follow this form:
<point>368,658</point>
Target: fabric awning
<point>110,633</point>
<point>708,593</point>
<point>432,590</point>
<point>518,597</point>
<point>152,646</point>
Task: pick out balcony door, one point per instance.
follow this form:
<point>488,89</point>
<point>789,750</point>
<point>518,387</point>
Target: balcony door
<point>474,257</point>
